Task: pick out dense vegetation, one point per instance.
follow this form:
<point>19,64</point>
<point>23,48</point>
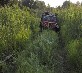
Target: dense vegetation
<point>23,49</point>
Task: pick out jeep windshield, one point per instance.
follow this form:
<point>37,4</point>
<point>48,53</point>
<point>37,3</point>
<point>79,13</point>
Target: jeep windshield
<point>49,18</point>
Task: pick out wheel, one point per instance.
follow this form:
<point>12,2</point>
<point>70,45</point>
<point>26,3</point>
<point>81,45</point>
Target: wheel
<point>57,28</point>
<point>41,28</point>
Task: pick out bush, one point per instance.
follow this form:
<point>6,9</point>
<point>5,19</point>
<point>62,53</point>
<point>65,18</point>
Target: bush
<point>15,33</point>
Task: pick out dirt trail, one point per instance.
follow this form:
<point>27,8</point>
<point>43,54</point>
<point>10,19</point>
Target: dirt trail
<point>63,54</point>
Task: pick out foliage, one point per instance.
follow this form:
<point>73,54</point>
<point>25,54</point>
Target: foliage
<point>71,34</point>
<point>40,52</point>
<point>15,32</point>
<point>39,56</point>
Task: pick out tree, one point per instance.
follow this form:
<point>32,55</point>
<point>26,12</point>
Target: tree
<point>34,4</point>
<point>4,2</point>
<point>28,3</point>
<point>59,7</point>
<point>48,8</point>
<point>78,3</point>
<point>66,4</point>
